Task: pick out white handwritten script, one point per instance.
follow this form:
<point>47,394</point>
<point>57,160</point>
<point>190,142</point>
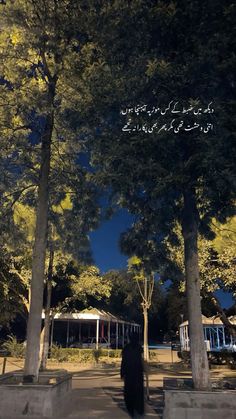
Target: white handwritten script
<point>179,122</point>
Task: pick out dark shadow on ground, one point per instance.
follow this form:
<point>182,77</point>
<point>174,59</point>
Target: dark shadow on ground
<point>175,372</point>
<point>156,401</point>
<point>93,403</point>
<point>116,393</point>
<point>97,373</point>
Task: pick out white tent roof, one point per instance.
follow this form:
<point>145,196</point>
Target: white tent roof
<point>89,314</point>
<point>211,321</point>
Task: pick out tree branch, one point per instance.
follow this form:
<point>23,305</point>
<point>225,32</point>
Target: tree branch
<point>229,326</point>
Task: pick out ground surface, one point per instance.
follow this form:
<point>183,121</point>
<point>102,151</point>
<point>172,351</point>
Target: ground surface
<point>97,389</point>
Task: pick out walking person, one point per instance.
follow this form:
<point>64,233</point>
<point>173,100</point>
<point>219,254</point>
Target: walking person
<point>132,373</point>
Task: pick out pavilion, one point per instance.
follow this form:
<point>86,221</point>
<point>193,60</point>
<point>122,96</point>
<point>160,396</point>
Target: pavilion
<point>91,322</point>
<point>216,335</point>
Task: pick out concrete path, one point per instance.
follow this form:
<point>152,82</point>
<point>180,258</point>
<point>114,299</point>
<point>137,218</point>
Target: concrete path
<point>98,393</point>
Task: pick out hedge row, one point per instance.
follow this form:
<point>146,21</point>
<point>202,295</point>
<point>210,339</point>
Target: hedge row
<point>88,355</point>
<point>17,350</point>
<point>215,358</point>
<point>82,355</point>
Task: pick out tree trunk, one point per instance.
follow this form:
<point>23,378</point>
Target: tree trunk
<point>199,361</point>
<point>145,334</point>
<point>47,313</point>
<point>145,321</point>
<point>31,367</point>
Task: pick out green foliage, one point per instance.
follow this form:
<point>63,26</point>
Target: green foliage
<point>225,235</point>
<point>145,279</point>
<point>216,259</point>
<point>148,174</point>
<point>97,354</point>
<point>153,356</point>
<point>76,285</point>
<point>58,353</point>
<point>124,297</point>
<point>83,355</point>
<point>185,356</point>
<point>37,53</point>
<point>14,348</point>
<point>164,178</point>
<point>93,73</point>
<point>223,357</point>
<point>39,45</point>
<point>136,267</point>
<point>111,353</point>
<point>90,282</point>
<point>13,290</point>
<point>176,307</point>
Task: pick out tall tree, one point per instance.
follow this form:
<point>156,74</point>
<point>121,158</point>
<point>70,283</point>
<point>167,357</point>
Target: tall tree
<point>43,46</point>
<point>173,52</point>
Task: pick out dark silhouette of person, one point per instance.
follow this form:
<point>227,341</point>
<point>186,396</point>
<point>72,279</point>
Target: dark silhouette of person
<point>132,373</point>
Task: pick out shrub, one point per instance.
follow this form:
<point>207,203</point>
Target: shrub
<point>82,355</point>
<point>153,355</point>
<point>58,353</point>
<point>223,357</point>
<point>14,348</point>
<point>97,354</point>
<point>184,355</point>
<point>111,353</point>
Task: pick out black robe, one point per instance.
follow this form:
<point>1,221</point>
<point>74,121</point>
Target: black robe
<point>132,373</point>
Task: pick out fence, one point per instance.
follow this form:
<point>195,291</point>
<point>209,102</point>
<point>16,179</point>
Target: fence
<point>7,365</point>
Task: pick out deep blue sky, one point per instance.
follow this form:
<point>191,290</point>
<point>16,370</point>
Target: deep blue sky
<point>106,252</point>
<point>105,242</point>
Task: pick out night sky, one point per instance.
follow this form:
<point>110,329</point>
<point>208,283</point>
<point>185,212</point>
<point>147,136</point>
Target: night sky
<point>105,242</point>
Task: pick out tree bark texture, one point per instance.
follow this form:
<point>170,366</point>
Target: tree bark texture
<point>47,320</point>
<point>199,361</point>
<point>31,367</point>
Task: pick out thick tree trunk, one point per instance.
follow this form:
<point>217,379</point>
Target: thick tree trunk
<point>31,366</point>
<point>199,361</point>
<point>47,320</point>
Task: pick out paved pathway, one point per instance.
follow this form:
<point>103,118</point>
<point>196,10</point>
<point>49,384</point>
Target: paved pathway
<point>98,394</point>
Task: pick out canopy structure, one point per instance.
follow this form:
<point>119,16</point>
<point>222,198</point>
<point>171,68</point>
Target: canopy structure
<point>216,335</point>
<point>92,322</point>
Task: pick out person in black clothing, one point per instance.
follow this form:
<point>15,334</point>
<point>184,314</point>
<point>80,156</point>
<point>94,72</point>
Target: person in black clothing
<point>132,374</point>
